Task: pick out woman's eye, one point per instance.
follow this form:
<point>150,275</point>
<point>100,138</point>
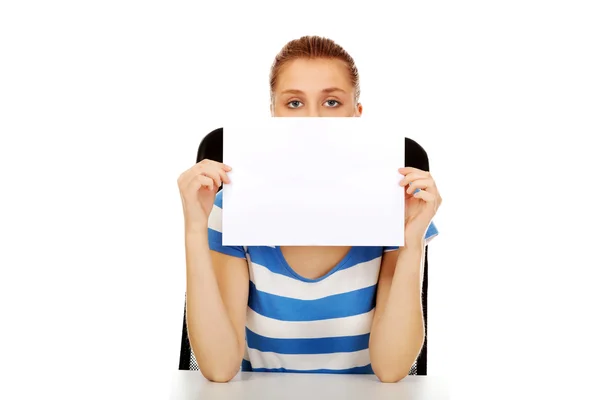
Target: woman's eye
<point>294,104</point>
<point>332,103</point>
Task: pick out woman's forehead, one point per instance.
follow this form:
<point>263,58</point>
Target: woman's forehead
<point>314,75</point>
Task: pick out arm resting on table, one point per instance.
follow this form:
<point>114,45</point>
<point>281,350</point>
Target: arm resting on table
<point>216,301</point>
<point>398,330</point>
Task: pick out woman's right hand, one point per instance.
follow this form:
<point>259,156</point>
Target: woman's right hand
<point>198,187</point>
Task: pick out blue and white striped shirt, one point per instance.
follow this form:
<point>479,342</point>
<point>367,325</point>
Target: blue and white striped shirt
<point>295,324</point>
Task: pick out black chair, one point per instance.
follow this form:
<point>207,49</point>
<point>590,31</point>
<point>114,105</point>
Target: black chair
<point>211,148</point>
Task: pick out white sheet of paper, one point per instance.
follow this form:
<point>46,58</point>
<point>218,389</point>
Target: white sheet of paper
<point>313,182</point>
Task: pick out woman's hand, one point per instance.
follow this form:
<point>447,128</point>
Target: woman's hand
<point>422,201</point>
<point>198,187</point>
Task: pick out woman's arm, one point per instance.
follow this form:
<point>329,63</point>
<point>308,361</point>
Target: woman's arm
<point>398,331</point>
<point>216,301</point>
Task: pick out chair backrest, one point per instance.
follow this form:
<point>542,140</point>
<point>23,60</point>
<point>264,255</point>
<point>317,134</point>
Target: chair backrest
<point>211,147</point>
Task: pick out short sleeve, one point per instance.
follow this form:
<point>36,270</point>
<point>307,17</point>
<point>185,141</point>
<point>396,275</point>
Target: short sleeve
<point>215,231</point>
<point>430,234</point>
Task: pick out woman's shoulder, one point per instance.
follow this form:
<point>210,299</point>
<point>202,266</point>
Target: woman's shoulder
<point>219,199</point>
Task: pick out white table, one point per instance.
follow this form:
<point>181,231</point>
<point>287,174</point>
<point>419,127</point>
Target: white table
<point>286,386</point>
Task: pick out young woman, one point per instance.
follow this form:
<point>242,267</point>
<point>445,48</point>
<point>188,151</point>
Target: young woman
<point>304,309</point>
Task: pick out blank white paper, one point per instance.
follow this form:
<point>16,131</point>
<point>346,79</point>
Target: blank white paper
<point>313,182</point>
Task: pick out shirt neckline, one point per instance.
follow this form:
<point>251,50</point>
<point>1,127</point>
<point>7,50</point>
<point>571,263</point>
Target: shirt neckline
<point>338,266</point>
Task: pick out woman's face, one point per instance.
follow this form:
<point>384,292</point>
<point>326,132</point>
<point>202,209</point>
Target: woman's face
<point>314,88</point>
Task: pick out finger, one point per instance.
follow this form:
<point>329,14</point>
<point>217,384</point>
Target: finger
<point>224,176</point>
<point>419,184</point>
<point>201,168</point>
<point>219,175</point>
<point>425,195</point>
<point>408,170</point>
<point>199,182</point>
<point>215,163</point>
<point>212,173</point>
<point>413,176</point>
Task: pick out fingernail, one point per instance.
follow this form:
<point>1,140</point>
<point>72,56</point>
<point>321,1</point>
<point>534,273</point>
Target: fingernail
<point>417,191</point>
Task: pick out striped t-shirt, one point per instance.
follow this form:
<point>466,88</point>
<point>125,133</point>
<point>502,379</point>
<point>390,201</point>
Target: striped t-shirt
<point>295,324</point>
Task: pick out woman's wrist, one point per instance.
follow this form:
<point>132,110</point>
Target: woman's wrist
<point>410,258</point>
<point>414,244</point>
<point>196,226</point>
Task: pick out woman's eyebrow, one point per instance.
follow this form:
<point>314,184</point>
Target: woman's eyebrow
<point>292,91</point>
<point>333,89</point>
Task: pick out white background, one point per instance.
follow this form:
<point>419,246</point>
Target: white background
<point>103,104</point>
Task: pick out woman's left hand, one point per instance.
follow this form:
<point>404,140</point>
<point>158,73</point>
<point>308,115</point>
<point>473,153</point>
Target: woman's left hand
<point>420,207</point>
